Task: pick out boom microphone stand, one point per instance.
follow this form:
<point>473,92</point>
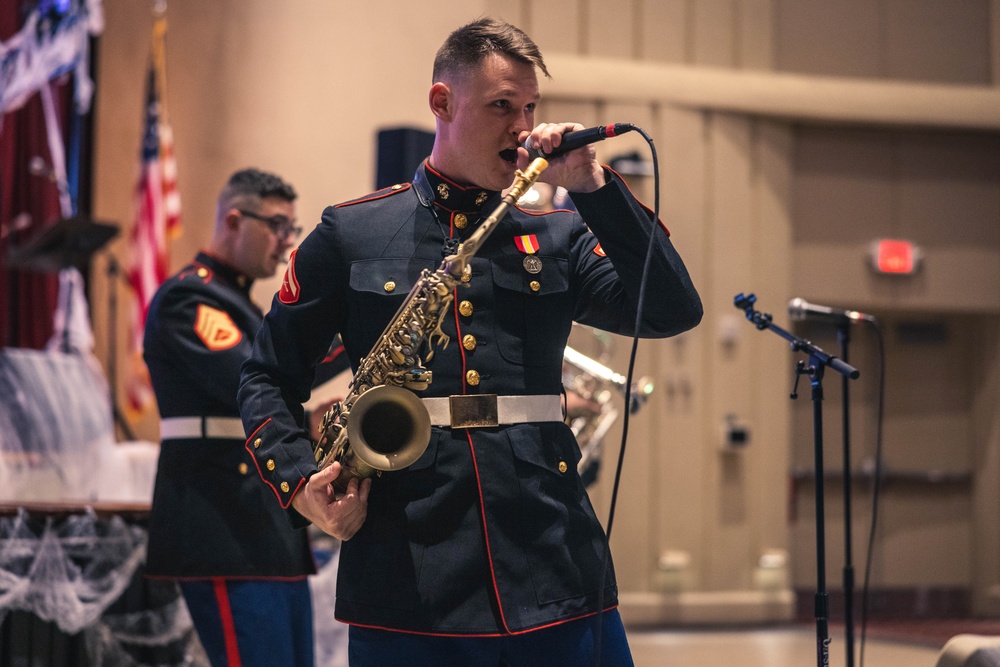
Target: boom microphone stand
<point>818,362</point>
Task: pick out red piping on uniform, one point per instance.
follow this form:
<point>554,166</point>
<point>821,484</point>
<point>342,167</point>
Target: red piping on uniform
<point>380,194</point>
<point>228,626</point>
<point>463,188</point>
<point>475,467</point>
<point>260,472</point>
<point>477,634</point>
<point>486,534</point>
<point>333,355</point>
<point>458,335</point>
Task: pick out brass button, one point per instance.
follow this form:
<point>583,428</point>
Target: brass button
<point>202,272</point>
<point>466,274</point>
<point>535,285</point>
<point>397,186</point>
<point>461,221</point>
<point>563,467</point>
<point>270,464</point>
<point>242,281</point>
<point>389,286</point>
<point>243,468</point>
<point>469,342</point>
<point>285,487</point>
<point>465,308</point>
<point>472,377</point>
<point>256,443</point>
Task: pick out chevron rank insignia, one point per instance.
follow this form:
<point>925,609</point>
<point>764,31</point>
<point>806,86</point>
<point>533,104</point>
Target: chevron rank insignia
<point>216,329</point>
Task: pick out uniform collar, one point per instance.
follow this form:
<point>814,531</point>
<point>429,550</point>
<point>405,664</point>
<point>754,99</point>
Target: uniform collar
<point>222,271</point>
<point>433,186</point>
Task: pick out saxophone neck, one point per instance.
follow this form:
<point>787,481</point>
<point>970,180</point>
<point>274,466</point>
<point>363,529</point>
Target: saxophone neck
<point>523,180</point>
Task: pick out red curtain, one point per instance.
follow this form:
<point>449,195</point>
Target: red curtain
<point>27,298</point>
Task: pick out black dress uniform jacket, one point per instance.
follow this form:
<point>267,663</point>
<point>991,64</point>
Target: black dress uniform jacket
<point>211,515</point>
<point>490,531</point>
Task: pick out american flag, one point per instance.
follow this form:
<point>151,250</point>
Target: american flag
<point>157,219</point>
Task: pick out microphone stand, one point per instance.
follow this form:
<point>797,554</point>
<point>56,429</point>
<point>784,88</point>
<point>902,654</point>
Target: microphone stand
<point>818,362</point>
<point>844,336</point>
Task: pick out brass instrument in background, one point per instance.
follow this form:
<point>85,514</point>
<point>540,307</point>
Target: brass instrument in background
<point>596,383</point>
<point>381,424</point>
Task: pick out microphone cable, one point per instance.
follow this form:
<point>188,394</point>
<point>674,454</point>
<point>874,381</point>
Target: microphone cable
<point>628,389</point>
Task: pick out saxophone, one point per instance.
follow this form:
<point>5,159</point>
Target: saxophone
<point>381,424</point>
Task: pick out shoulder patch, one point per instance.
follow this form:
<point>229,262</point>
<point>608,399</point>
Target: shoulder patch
<point>289,292</point>
<point>378,194</point>
<point>216,329</point>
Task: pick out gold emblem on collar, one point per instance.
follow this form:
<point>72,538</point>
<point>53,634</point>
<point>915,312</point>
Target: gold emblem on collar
<point>480,198</point>
<point>443,191</point>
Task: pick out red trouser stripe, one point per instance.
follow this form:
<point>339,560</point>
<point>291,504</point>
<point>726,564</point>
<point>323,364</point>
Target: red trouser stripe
<point>228,625</point>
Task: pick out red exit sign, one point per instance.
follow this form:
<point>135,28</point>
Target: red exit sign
<point>895,256</point>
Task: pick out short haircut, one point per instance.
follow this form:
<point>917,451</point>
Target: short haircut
<point>247,187</point>
<point>466,47</point>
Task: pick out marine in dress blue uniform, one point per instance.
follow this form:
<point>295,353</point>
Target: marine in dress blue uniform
<point>489,537</point>
<point>213,525</point>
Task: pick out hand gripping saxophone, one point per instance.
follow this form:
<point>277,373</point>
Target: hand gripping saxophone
<point>381,424</point>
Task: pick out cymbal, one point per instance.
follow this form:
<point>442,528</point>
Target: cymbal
<point>69,242</point>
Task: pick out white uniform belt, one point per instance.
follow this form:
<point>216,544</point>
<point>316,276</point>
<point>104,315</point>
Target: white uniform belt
<point>479,410</point>
<point>227,428</point>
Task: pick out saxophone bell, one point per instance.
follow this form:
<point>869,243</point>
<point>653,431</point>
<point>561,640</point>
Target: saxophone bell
<point>388,429</point>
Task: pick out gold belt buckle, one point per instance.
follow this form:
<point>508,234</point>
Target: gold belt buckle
<point>473,411</point>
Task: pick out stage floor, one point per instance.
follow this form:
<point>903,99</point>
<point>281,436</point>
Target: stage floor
<point>773,647</point>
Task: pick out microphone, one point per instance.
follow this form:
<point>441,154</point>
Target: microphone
<point>574,140</point>
<point>800,309</point>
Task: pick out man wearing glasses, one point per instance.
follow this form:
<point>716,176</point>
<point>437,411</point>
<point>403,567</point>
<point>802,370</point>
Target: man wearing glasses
<point>213,527</point>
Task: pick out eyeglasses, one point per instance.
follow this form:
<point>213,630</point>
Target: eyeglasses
<point>280,226</point>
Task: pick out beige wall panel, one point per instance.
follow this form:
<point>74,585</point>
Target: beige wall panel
<point>713,33</point>
<point>843,188</point>
<point>611,31</point>
<point>729,220</point>
<point>822,37</point>
<point>557,25</point>
<point>949,190</point>
<point>663,30</point>
<point>768,453</point>
<point>681,397</point>
<point>755,34</point>
<point>937,41</point>
<point>995,42</point>
<point>985,380</point>
<point>514,11</point>
<point>922,538</point>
